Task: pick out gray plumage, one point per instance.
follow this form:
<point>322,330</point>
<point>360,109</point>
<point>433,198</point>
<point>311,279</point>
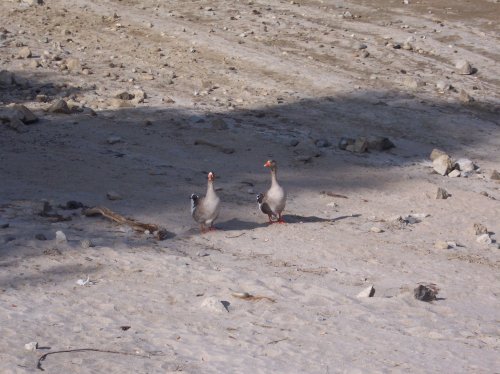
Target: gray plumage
<point>273,201</point>
<point>205,210</point>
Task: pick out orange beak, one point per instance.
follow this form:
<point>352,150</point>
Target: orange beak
<point>267,164</point>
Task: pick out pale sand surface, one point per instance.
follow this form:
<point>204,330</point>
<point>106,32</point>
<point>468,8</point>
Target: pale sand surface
<point>273,71</point>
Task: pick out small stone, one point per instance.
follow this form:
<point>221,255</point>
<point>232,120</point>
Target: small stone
<point>112,195</point>
<point>413,83</point>
<point>40,237</point>
<point>322,143</point>
<point>463,67</point>
<point>24,52</point>
<point>443,86</point>
<point>495,175</point>
<point>219,124</point>
<point>360,145</point>
<point>484,239</point>
<point>345,142</point>
<point>59,106</point>
<point>73,64</point>
<point>379,143</point>
<point>367,292</point>
<point>61,237</point>
<point>426,292</point>
<point>376,229</point>
<point>24,114</point>
<point>465,97</point>
<point>436,153</point>
<point>442,165</point>
<point>454,173</point>
<point>113,139</point>
<point>442,194</point>
<point>215,305</point>
<point>440,244</point>
<point>87,243</point>
<point>119,103</point>
<point>479,229</point>
<point>31,346</point>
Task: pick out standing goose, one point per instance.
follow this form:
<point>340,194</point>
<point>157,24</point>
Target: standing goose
<point>205,210</point>
<point>273,201</point>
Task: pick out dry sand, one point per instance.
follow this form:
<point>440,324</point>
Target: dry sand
<point>252,76</point>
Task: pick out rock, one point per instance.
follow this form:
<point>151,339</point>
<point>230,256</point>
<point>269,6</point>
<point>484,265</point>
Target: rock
<point>464,164</point>
<point>219,124</point>
<point>33,2</point>
<point>73,65</point>
<point>322,143</point>
<point>376,229</point>
<point>21,112</point>
<point>40,237</point>
<point>215,305</point>
<point>463,67</point>
<point>124,95</point>
<point>379,143</point>
<point>6,78</point>
<point>59,106</point>
<point>112,195</point>
<point>465,97</point>
<point>442,165</point>
<point>443,86</point>
<point>87,243</point>
<point>345,142</point>
<point>426,292</point>
<point>436,153</point>
<point>293,142</point>
<point>454,173</point>
<point>139,96</point>
<point>17,125</point>
<point>442,194</point>
<point>360,145</point>
<point>31,346</point>
<point>367,292</point>
<point>484,239</point>
<point>479,229</point>
<point>24,52</point>
<point>60,237</point>
<point>413,83</point>
<point>113,139</point>
<point>441,245</point>
<point>495,175</point>
<point>119,103</point>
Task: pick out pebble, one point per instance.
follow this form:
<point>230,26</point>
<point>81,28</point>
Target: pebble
<point>24,52</point>
<point>31,346</point>
<point>59,106</point>
<point>426,292</point>
<point>73,64</point>
<point>376,229</point>
<point>479,229</point>
<point>87,243</point>
<point>443,86</point>
<point>379,143</point>
<point>463,67</point>
<point>40,237</point>
<point>495,175</point>
<point>413,83</point>
<point>322,143</point>
<point>484,239</point>
<point>440,244</point>
<point>367,292</point>
<point>442,194</point>
<point>112,195</point>
<point>215,305</point>
<point>442,165</point>
<point>113,139</point>
<point>454,173</point>
<point>60,237</point>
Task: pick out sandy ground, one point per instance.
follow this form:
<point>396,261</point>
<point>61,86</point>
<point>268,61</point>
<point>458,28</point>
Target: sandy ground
<point>256,77</point>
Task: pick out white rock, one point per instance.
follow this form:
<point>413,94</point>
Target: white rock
<point>454,173</point>
<point>60,237</point>
<point>215,305</point>
<point>441,245</point>
<point>484,239</point>
<point>465,164</point>
<point>31,346</point>
<point>442,165</point>
<point>367,292</point>
<point>376,229</point>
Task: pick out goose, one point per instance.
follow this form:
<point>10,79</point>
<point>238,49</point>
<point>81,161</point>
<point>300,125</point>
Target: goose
<point>273,201</point>
<point>205,210</point>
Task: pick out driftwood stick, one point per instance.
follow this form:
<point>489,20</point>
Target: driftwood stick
<point>44,356</point>
<point>136,225</point>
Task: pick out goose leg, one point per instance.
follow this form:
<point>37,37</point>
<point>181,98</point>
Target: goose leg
<point>270,219</point>
<point>280,219</point>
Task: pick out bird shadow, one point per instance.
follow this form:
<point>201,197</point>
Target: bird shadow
<point>295,218</point>
<point>237,224</point>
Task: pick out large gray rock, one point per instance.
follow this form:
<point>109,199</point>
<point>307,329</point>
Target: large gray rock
<point>495,175</point>
<point>442,194</point>
<point>379,143</point>
<point>464,164</point>
<point>442,165</point>
<point>59,106</point>
<point>436,153</point>
<point>21,112</point>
